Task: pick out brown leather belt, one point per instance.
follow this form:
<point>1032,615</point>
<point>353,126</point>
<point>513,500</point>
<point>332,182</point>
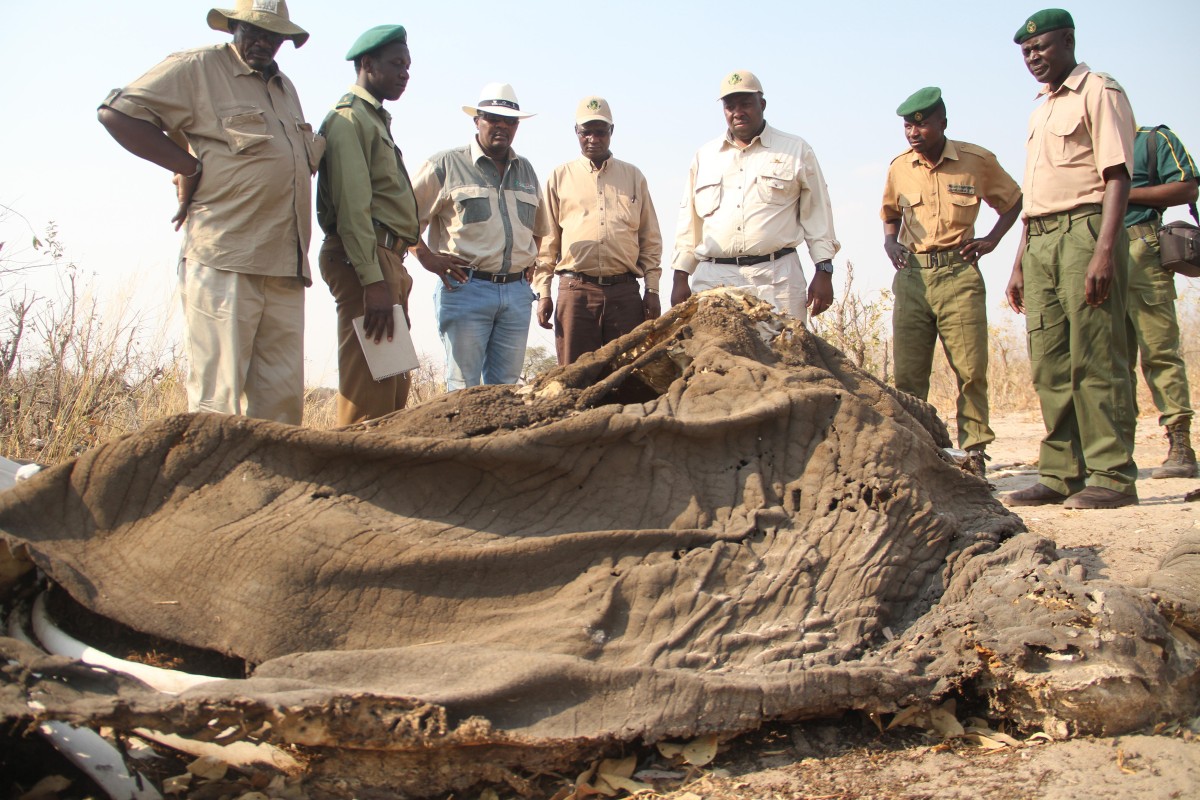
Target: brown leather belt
<point>388,240</point>
<point>599,280</point>
<point>495,277</point>
<point>747,261</point>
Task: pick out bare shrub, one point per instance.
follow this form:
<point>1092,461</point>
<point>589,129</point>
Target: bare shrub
<point>860,329</point>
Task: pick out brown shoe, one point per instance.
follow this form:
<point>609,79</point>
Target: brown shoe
<point>1181,458</point>
<point>1100,497</point>
<point>1037,495</point>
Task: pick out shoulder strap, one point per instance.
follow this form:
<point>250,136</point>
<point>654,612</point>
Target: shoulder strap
<point>1152,155</point>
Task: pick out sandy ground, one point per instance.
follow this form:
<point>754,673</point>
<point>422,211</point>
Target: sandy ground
<point>849,758</point>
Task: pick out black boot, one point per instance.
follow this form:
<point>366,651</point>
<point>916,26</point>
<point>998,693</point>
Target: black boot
<point>1181,458</point>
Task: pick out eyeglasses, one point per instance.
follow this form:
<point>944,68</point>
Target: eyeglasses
<point>593,133</point>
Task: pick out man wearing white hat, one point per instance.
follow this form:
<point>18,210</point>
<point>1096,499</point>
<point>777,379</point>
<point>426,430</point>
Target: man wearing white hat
<point>752,197</point>
<point>480,203</point>
<point>603,237</point>
<point>229,125</point>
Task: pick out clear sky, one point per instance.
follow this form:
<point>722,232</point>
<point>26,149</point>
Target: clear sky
<point>833,73</point>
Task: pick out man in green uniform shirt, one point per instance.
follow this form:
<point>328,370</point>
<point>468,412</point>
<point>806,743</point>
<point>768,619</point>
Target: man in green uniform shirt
<point>366,208</point>
<point>930,204</point>
<point>1071,274</point>
<point>1152,290</point>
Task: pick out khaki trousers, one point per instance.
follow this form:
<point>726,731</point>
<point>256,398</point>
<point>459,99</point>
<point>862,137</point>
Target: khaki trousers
<point>1079,356</point>
<point>244,336</point>
<point>947,302</point>
<point>1155,328</point>
<point>360,397</point>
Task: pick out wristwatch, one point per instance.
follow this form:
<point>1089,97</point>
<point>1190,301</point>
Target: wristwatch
<point>825,266</point>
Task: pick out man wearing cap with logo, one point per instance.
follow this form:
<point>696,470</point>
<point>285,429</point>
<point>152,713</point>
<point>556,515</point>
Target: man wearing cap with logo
<point>366,207</point>
<point>930,203</point>
<point>1071,274</point>
<point>603,236</point>
<point>752,197</point>
<point>229,125</point>
<point>481,204</point>
<point>1155,331</point>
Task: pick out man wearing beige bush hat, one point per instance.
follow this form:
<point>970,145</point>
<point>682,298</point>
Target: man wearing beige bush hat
<point>603,237</point>
<point>229,126</point>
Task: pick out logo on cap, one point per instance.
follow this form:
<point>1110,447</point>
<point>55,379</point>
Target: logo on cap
<point>270,6</point>
<point>593,104</point>
<point>735,79</point>
<point>917,117</point>
<point>1031,26</point>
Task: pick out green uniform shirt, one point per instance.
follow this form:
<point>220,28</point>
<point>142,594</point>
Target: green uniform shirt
<point>362,182</point>
<point>1174,164</point>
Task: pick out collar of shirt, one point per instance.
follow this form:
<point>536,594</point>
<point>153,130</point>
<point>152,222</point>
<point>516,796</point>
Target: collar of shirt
<point>948,152</point>
<point>240,67</point>
<point>763,138</point>
<point>359,91</point>
<point>477,154</point>
<point>590,167</point>
<point>1072,82</point>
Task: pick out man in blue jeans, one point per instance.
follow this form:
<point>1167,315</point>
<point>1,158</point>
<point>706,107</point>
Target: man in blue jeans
<point>481,205</point>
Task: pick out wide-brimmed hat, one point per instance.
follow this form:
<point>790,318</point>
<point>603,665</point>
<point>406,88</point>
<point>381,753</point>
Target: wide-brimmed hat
<point>498,99</point>
<point>270,15</point>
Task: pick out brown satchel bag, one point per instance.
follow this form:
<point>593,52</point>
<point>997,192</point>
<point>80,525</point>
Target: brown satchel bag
<point>1178,242</point>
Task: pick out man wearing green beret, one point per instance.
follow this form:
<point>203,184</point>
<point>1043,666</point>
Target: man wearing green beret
<point>1152,289</point>
<point>366,207</point>
<point>1070,278</point>
<point>930,203</point>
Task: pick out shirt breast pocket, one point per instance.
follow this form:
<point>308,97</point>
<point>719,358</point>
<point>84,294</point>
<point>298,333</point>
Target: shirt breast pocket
<point>527,204</point>
<point>964,208</point>
<point>777,183</point>
<point>911,205</point>
<point>1068,142</point>
<point>474,204</point>
<point>244,127</point>
<point>707,197</point>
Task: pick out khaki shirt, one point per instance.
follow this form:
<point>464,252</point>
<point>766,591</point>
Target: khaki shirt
<point>602,223</point>
<point>938,204</point>
<point>488,220</point>
<point>754,201</point>
<point>363,181</point>
<point>1081,130</point>
<point>251,211</point>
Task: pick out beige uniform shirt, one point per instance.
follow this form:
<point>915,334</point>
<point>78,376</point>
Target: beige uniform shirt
<point>487,219</point>
<point>937,204</point>
<point>1081,130</point>
<point>754,201</point>
<point>252,210</point>
<point>601,222</point>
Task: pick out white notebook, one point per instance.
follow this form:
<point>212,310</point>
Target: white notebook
<point>388,359</point>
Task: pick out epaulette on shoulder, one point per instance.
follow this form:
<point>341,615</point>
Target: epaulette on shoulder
<point>905,154</point>
<point>1110,82</point>
<point>346,101</point>
<point>973,149</point>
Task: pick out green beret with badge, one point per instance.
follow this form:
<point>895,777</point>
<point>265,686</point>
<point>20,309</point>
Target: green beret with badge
<point>376,38</point>
<point>921,104</point>
<point>1044,21</point>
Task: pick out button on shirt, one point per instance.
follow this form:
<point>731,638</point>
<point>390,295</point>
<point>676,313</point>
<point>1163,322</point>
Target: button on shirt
<point>754,201</point>
<point>1174,164</point>
<point>251,211</point>
<point>363,181</point>
<point>487,219</point>
<point>1082,129</point>
<point>601,222</point>
<point>938,203</point>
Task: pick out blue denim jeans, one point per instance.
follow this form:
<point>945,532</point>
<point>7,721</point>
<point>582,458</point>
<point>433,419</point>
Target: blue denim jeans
<point>484,327</point>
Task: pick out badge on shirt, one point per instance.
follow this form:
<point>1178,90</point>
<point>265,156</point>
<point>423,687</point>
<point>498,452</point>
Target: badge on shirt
<point>961,188</point>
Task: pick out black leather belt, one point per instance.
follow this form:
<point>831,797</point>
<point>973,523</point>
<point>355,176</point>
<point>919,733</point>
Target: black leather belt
<point>599,280</point>
<point>495,277</point>
<point>747,261</point>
